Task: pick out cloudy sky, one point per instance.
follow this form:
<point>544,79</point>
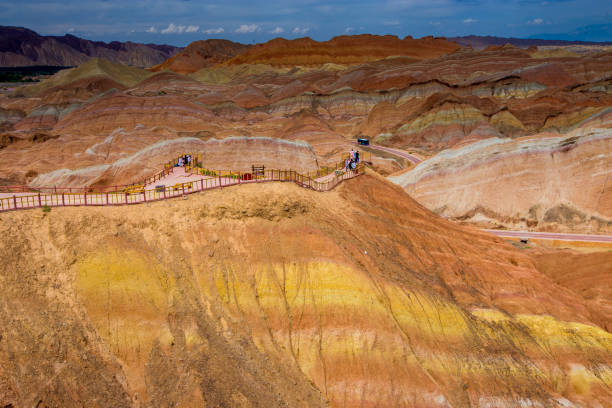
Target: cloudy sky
<point>179,22</point>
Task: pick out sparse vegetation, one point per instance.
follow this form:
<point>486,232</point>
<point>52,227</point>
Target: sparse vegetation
<point>27,74</point>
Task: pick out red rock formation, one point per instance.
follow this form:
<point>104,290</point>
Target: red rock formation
<point>589,275</point>
<point>128,112</point>
<point>201,54</point>
<point>428,105</point>
<point>354,49</point>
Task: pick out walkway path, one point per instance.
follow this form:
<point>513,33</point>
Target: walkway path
<point>178,176</point>
<point>177,183</point>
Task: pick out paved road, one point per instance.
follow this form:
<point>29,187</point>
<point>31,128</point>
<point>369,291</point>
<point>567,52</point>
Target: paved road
<point>551,235</point>
<point>511,234</point>
<point>397,152</point>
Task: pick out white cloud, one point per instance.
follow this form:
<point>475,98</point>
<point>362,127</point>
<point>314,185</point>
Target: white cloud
<point>348,29</point>
<point>151,29</point>
<point>434,23</point>
<point>391,23</point>
<point>192,29</point>
<point>173,29</point>
<point>469,20</point>
<point>247,28</point>
<point>277,30</point>
<point>70,30</point>
<point>535,21</point>
<point>217,30</point>
<point>301,31</point>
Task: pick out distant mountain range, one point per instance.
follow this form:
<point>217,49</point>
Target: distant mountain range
<point>593,32</point>
<point>23,47</point>
<point>479,42</point>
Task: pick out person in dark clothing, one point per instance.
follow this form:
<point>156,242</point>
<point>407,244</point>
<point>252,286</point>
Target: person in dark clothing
<point>357,156</point>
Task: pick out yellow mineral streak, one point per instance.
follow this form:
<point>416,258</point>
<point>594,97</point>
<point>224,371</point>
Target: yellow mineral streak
<point>343,328</point>
<point>359,339</point>
<point>126,296</point>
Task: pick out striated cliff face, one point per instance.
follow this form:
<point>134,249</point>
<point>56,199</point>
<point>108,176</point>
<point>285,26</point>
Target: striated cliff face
<point>272,295</point>
<point>22,47</point>
<point>201,54</point>
<point>354,49</point>
<point>548,182</point>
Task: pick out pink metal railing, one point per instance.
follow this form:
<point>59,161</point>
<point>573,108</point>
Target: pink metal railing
<point>223,179</point>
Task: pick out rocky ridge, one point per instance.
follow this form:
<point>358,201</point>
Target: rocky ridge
<point>22,47</point>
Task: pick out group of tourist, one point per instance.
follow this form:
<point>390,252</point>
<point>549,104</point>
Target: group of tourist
<point>352,160</point>
<point>184,160</point>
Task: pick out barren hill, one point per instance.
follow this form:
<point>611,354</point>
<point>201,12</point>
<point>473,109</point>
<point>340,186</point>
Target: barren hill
<point>94,68</point>
<point>346,49</point>
<point>549,182</point>
<point>272,295</point>
<point>480,42</point>
<point>22,47</point>
<point>201,54</point>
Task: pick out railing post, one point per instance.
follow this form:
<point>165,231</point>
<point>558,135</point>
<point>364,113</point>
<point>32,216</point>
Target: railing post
<point>107,198</point>
<point>201,184</point>
<point>39,202</point>
<point>85,195</point>
<point>126,197</point>
<point>183,186</point>
<point>219,179</point>
<point>63,203</point>
<point>144,193</point>
<point>164,192</point>
<point>15,201</point>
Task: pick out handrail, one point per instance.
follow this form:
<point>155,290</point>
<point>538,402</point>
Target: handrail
<point>137,196</point>
<point>168,166</point>
<point>88,189</point>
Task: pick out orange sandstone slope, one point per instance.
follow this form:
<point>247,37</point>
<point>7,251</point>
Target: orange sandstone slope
<point>272,295</point>
<point>587,274</point>
<point>201,54</point>
<point>355,49</point>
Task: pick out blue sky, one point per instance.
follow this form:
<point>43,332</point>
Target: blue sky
<point>179,22</point>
